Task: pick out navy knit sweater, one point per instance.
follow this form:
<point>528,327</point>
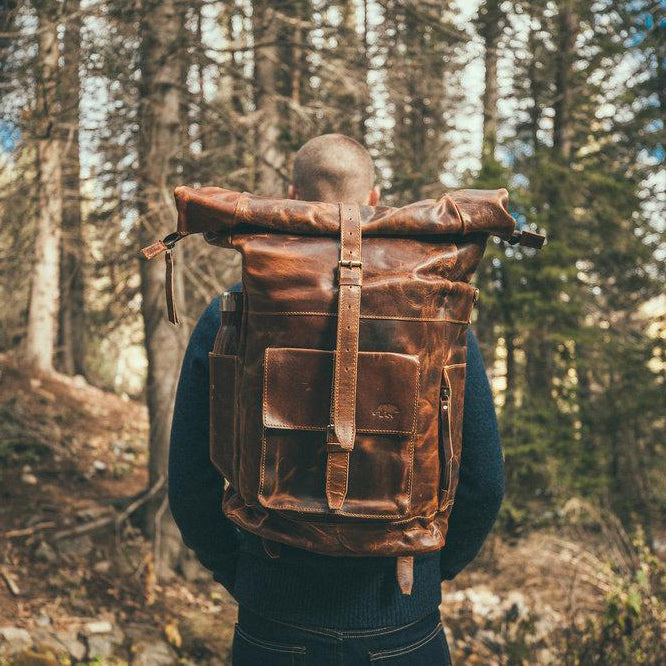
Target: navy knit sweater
<point>306,588</point>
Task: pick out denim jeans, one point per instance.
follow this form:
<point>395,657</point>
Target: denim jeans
<point>262,642</point>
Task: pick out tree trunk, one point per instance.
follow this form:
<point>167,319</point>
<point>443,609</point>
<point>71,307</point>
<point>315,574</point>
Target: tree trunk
<point>491,20</point>
<point>72,322</point>
<point>562,125</point>
<point>534,83</point>
<point>270,158</point>
<point>159,135</point>
<point>44,291</point>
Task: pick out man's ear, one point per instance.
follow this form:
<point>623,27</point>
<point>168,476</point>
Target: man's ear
<point>373,198</point>
<point>291,192</point>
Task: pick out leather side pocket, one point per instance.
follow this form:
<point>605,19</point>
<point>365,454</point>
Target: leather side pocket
<point>446,454</point>
<point>223,372</point>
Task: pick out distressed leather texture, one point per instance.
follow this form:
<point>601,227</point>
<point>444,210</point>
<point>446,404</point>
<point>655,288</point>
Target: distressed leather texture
<point>337,418</point>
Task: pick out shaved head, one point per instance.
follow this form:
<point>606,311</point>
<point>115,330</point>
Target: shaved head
<point>332,168</point>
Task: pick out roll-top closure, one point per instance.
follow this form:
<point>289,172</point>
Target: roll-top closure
<point>216,210</point>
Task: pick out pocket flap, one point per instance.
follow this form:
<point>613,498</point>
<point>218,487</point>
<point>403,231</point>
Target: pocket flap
<point>297,390</point>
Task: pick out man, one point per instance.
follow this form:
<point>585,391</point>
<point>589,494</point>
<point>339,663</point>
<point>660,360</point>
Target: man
<point>301,607</point>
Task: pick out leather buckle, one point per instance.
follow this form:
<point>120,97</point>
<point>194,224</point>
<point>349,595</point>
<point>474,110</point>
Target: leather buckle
<point>350,263</point>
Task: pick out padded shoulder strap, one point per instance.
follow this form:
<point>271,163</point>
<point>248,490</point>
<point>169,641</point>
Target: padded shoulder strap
<point>342,431</point>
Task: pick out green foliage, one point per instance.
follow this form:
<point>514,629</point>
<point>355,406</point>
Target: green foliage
<point>631,629</point>
<point>583,402</point>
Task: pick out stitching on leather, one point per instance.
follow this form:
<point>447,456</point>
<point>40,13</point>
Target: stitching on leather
<point>279,313</point>
<point>449,442</point>
<point>324,511</point>
<point>413,437</point>
<point>267,645</point>
<point>313,428</point>
<point>398,652</point>
<point>262,463</point>
<point>265,396</point>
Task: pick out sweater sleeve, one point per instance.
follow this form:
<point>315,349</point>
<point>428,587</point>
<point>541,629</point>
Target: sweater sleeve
<point>481,482</point>
<point>195,485</point>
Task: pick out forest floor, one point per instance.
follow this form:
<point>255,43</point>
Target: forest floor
<point>77,583</point>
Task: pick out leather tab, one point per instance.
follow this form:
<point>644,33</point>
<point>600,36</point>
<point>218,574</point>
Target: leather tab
<point>343,403</point>
<point>405,573</point>
<point>527,239</point>
<point>172,312</point>
<point>154,250</point>
<point>337,477</point>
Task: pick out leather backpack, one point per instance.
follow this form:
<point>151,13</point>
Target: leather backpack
<point>337,378</point>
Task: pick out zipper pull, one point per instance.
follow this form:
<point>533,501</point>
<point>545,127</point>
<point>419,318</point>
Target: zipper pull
<point>164,245</point>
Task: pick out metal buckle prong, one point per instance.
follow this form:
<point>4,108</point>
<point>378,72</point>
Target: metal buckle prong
<point>350,263</point>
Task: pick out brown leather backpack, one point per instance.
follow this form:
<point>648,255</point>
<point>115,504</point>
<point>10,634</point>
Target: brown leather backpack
<point>337,386</point>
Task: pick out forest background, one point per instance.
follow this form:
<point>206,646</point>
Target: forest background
<point>106,105</point>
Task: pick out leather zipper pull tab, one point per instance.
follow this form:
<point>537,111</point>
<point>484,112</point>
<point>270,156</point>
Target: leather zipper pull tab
<point>172,312</point>
<point>405,573</point>
<point>167,243</point>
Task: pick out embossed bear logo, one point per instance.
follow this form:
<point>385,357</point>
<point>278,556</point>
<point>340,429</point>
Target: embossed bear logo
<point>386,412</point>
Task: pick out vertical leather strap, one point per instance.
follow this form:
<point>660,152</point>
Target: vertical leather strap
<point>172,312</point>
<point>405,573</point>
<point>342,431</point>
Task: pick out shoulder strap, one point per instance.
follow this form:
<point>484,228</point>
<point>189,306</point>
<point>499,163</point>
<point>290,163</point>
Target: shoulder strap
<point>342,431</point>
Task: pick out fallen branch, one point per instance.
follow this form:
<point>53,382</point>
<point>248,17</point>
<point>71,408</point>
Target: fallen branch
<point>27,531</point>
<point>83,529</point>
<point>108,520</point>
<point>11,582</point>
<point>140,501</point>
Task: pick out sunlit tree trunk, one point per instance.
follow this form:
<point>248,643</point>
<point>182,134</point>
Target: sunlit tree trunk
<point>159,135</point>
<point>44,291</point>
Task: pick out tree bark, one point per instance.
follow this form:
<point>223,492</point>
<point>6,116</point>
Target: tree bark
<point>270,158</point>
<point>44,291</point>
<point>562,126</point>
<point>159,135</point>
<point>534,84</point>
<point>491,20</point>
<point>72,321</point>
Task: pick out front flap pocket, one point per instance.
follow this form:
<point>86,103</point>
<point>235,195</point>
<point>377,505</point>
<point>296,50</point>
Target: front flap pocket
<point>296,413</point>
<point>297,390</point>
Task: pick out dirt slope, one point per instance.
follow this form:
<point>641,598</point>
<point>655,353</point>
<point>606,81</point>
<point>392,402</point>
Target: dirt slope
<point>72,457</point>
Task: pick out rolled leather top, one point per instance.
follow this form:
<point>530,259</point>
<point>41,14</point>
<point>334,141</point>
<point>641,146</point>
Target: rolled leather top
<point>219,211</point>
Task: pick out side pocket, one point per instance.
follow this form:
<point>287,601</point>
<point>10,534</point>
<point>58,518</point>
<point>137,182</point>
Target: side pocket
<point>223,372</point>
<point>446,455</point>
